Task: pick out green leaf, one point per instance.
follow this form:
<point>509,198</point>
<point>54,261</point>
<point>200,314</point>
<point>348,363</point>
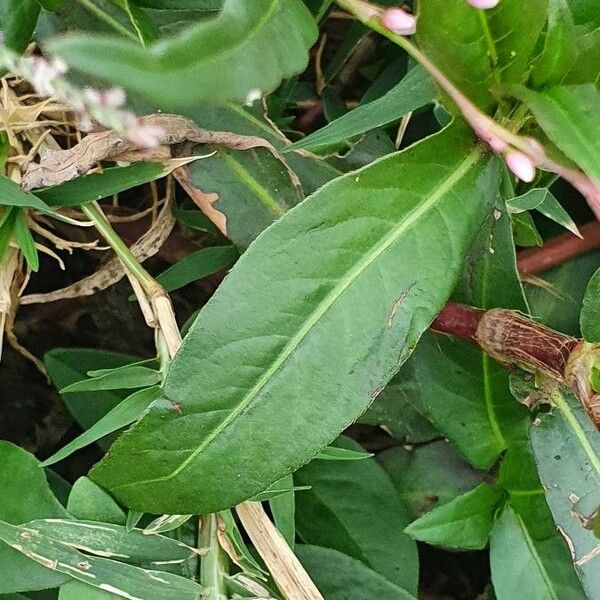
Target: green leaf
<point>465,522</point>
<point>51,4</point>
<point>414,91</point>
<point>123,580</point>
<point>283,509</point>
<point>568,116</point>
<point>126,378</point>
<point>560,46</point>
<point>195,219</point>
<point>585,70</point>
<point>114,541</point>
<point>542,200</point>
<point>245,559</point>
<point>125,413</point>
<point>96,186</point>
<point>477,49</point>
<point>524,230</point>
<point>296,281</point>
<point>340,577</point>
<point>517,558</point>
<point>428,476</point>
<point>590,310</point>
<point>69,365</point>
<point>353,507</point>
<point>197,265</point>
<point>25,241</point>
<point>166,523</point>
<point>87,501</point>
<point>22,478</point>
<point>12,195</point>
<point>465,393</point>
<point>396,411</point>
<point>266,40</point>
<point>245,190</point>
<point>335,453</point>
<point>17,22</point>
<point>567,451</point>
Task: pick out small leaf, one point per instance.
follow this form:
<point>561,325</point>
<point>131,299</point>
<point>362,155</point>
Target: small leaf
<point>590,310</point>
<point>197,265</point>
<point>25,241</point>
<point>429,475</point>
<point>12,195</point>
<point>340,577</point>
<point>283,509</point>
<point>518,559</point>
<point>465,522</point>
<point>414,91</point>
<point>133,518</point>
<point>96,186</point>
<point>166,523</point>
<point>336,453</point>
<point>69,365</point>
<point>542,200</point>
<point>266,40</point>
<point>243,557</point>
<point>125,413</point>
<point>120,379</point>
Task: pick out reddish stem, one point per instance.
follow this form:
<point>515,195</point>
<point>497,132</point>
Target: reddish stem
<point>559,249</point>
<point>458,320</point>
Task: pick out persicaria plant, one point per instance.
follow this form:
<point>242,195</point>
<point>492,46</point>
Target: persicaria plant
<point>299,299</point>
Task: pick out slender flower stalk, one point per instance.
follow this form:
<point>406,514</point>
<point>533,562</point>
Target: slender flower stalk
<point>92,106</point>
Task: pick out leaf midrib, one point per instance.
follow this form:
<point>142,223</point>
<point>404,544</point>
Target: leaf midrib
<point>320,310</point>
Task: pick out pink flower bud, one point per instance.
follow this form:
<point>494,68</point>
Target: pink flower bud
<point>483,3</point>
<point>521,165</point>
<point>399,21</point>
<point>145,136</point>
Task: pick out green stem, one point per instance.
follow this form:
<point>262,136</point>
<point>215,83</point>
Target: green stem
<point>95,214</point>
<point>107,18</point>
<point>491,46</point>
<point>212,564</point>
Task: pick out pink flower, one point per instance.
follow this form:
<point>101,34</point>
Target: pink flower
<point>521,165</point>
<point>144,136</point>
<point>399,21</point>
<point>483,3</point>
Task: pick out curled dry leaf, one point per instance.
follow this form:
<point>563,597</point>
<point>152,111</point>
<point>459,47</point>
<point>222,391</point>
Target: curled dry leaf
<point>62,165</point>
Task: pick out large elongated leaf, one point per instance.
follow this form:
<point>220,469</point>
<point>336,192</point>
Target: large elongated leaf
<point>567,452</point>
<point>414,91</point>
<point>123,580</point>
<point>266,40</point>
<point>12,195</point>
<point>569,116</point>
<point>364,264</point>
<point>517,558</point>
<point>340,577</point>
<point>26,496</point>
<point>354,508</point>
<point>480,49</point>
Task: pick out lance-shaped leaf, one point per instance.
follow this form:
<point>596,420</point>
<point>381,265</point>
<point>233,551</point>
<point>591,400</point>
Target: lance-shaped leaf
<point>477,49</point>
<point>121,579</point>
<point>264,41</point>
<point>17,22</point>
<point>588,319</point>
<point>567,451</point>
<point>414,91</point>
<point>364,264</point>
<point>354,508</point>
<point>516,557</point>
